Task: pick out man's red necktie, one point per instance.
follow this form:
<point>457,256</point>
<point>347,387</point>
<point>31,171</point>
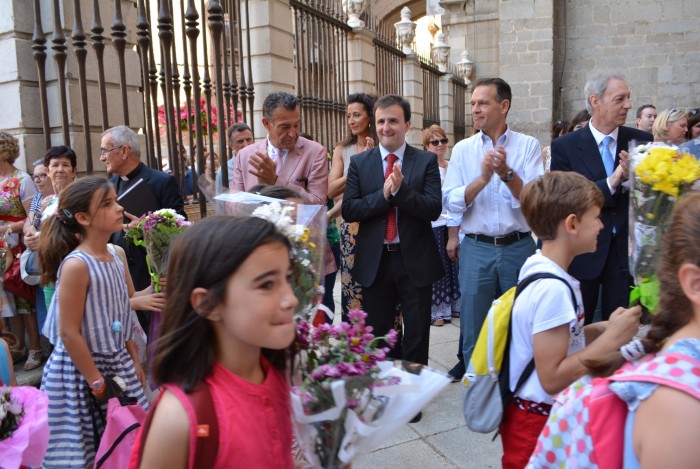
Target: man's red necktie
<point>390,232</point>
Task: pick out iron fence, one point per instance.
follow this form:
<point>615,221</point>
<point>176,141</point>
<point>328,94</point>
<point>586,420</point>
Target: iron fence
<point>195,74</point>
<point>320,59</point>
<point>431,91</point>
<point>459,92</point>
<point>388,64</point>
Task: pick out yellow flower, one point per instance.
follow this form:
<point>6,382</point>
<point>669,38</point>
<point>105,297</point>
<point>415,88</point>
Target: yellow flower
<point>650,216</point>
<point>667,187</point>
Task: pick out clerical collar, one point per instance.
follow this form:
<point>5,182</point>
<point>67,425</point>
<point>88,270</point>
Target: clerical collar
<point>132,174</point>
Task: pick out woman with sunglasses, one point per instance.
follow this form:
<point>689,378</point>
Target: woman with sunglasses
<point>31,225</point>
<point>446,296</point>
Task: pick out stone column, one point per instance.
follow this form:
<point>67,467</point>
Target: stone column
<point>413,93</point>
<point>447,109</point>
<point>526,57</point>
<point>361,66</point>
<point>272,52</point>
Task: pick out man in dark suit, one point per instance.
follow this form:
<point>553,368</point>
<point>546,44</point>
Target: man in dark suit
<point>393,190</point>
<point>599,152</point>
<point>120,151</point>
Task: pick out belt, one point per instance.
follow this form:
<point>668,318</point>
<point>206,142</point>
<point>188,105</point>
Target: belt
<point>504,240</point>
<point>392,247</point>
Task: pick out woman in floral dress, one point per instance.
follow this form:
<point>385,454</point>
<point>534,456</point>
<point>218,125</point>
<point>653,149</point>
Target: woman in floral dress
<point>16,192</point>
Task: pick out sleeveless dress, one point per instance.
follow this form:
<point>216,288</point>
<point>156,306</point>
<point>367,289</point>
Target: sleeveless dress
<point>14,190</point>
<point>106,326</point>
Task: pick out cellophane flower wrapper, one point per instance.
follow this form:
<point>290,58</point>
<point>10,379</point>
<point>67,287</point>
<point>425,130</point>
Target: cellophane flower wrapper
<point>157,231</point>
<point>30,440</point>
<point>304,226</point>
<point>659,174</point>
<point>346,398</point>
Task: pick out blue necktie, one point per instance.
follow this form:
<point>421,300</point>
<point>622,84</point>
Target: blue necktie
<point>608,160</point>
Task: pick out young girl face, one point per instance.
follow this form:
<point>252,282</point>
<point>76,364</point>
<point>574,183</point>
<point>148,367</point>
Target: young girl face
<point>259,306</point>
<point>105,213</point>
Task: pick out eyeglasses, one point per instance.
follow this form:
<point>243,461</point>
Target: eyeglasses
<point>104,151</point>
<point>39,177</point>
<point>692,112</point>
<point>436,142</point>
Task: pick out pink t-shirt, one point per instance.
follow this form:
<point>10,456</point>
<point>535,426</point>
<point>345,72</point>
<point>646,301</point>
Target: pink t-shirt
<point>255,424</point>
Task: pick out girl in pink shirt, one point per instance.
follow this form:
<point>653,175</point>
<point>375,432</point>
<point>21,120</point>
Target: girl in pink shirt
<point>228,323</point>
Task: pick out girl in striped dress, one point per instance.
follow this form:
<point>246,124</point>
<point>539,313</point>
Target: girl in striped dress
<point>88,320</point>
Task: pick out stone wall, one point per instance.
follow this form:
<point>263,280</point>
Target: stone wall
<point>654,44</point>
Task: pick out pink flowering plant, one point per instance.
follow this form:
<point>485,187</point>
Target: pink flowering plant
<point>24,426</point>
<point>156,231</point>
<point>210,118</point>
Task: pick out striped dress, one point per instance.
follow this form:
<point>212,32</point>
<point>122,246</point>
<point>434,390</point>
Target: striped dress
<point>71,443</point>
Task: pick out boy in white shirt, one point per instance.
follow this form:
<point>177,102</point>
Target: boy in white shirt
<point>563,210</point>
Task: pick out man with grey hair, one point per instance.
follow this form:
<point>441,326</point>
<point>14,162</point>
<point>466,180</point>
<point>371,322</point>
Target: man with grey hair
<point>283,158</point>
<point>599,152</point>
<point>120,152</point>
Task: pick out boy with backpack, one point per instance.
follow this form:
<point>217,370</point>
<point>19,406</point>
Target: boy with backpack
<point>562,209</point>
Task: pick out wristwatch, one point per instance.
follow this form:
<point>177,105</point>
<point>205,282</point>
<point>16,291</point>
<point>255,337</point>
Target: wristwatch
<point>509,176</point>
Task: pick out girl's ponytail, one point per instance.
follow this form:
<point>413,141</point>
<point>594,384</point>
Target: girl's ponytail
<point>61,233</point>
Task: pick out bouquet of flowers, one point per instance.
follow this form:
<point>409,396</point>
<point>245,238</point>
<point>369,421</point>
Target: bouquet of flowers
<point>156,231</point>
<point>304,225</point>
<point>346,399</point>
<point>660,174</point>
<point>24,427</point>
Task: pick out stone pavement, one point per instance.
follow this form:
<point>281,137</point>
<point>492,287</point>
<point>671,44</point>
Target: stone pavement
<point>441,439</point>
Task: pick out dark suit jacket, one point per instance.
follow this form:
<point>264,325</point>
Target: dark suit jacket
<point>578,151</point>
<point>168,194</point>
<point>419,202</point>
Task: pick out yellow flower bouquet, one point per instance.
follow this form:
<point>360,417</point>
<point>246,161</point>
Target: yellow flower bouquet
<point>660,175</point>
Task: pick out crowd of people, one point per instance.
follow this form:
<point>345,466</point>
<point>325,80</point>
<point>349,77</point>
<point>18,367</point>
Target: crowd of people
<point>418,239</point>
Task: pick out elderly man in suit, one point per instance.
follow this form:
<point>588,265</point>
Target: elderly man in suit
<point>283,158</point>
<point>599,152</point>
<point>120,152</point>
<point>393,190</point>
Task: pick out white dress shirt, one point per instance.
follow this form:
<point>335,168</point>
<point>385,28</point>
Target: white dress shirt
<point>599,136</point>
<point>494,211</point>
<point>399,155</point>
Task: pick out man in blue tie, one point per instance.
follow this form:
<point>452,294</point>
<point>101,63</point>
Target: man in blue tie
<point>599,152</point>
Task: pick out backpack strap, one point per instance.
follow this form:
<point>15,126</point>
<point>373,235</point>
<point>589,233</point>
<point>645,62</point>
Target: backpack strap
<point>204,426</point>
<point>504,376</point>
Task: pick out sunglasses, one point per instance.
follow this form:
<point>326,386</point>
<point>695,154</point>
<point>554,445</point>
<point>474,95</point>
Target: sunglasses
<point>436,142</point>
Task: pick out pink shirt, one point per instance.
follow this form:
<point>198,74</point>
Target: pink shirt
<point>255,423</point>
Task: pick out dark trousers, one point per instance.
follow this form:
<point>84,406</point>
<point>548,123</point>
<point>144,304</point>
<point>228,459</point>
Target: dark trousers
<point>392,286</point>
<point>615,281</point>
<point>329,280</point>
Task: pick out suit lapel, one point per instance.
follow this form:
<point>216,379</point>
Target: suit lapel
<point>291,162</point>
<point>409,160</point>
<point>376,168</point>
<point>590,154</point>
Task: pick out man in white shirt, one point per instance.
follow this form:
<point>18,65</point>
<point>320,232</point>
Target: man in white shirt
<point>487,172</point>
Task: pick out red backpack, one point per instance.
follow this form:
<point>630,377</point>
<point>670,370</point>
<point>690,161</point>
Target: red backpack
<point>204,427</point>
<point>586,427</point>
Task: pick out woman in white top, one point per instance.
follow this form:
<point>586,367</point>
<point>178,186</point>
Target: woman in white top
<point>446,296</point>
